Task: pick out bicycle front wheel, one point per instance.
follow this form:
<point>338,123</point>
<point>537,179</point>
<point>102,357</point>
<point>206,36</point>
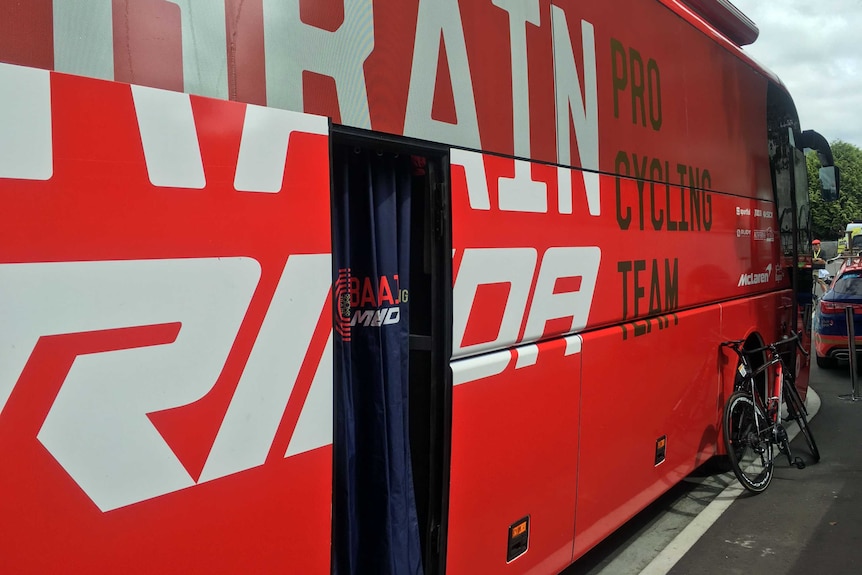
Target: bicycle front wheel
<point>796,412</point>
<point>748,439</point>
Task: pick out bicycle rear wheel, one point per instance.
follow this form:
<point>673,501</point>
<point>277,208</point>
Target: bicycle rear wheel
<point>796,412</point>
<point>747,437</point>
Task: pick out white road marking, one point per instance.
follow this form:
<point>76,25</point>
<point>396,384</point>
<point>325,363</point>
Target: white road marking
<point>679,546</point>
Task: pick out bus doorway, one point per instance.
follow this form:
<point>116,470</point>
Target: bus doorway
<point>391,344</point>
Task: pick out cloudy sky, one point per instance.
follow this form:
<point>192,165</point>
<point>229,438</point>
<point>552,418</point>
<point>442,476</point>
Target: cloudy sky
<point>815,47</point>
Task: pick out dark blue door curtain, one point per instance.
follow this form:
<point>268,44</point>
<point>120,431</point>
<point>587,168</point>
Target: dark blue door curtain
<point>375,525</point>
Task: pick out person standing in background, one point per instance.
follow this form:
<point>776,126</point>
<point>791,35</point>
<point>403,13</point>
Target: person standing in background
<point>821,275</point>
<point>815,245</point>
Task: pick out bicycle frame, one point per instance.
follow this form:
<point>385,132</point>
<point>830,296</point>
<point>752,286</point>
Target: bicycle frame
<point>752,424</point>
<point>770,405</point>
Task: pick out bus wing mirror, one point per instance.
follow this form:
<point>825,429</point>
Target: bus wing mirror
<point>829,183</point>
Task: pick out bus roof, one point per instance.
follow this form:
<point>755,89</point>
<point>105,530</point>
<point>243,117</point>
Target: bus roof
<point>726,24</point>
<point>729,20</point>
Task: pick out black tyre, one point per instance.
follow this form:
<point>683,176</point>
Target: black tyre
<point>748,439</point>
<point>796,411</point>
<point>826,362</point>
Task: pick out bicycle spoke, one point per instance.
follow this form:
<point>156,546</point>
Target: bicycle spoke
<point>750,450</point>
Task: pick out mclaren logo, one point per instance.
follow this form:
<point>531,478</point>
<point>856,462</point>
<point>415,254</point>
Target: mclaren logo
<point>755,278</point>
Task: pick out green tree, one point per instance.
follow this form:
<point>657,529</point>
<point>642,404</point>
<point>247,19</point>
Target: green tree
<point>830,218</point>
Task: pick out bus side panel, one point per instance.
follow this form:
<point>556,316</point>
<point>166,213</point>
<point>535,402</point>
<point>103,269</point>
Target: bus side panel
<point>522,276</point>
<point>165,361</point>
<point>514,446</point>
<point>639,270</point>
<point>764,315</point>
<point>638,390</point>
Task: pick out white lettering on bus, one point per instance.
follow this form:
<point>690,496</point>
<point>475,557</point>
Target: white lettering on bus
<point>584,111</point>
<point>26,137</point>
<point>521,193</point>
<point>255,412</point>
<point>755,278</point>
<point>84,44</point>
<point>84,38</point>
<point>169,138</point>
<point>340,55</point>
<point>265,146</point>
<point>376,317</point>
<point>474,172</point>
<point>512,266</point>
<point>477,183</point>
<point>98,427</point>
<point>567,262</point>
<point>516,267</point>
<point>438,17</point>
<point>204,42</point>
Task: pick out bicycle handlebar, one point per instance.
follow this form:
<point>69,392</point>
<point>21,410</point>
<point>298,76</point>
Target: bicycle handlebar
<point>736,345</point>
<point>805,352</point>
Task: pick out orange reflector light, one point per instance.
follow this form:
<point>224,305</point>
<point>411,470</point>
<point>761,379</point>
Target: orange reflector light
<point>519,528</point>
<point>660,449</point>
<point>519,538</point>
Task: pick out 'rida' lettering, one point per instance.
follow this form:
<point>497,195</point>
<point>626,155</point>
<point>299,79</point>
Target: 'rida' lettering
<point>517,267</point>
<point>98,428</point>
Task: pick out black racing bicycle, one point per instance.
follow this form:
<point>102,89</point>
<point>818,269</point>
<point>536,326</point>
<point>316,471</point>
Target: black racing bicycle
<point>753,423</point>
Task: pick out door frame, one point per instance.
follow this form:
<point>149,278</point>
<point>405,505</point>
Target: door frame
<point>438,178</point>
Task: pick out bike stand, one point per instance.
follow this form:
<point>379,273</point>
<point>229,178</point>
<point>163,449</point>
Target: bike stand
<point>851,346</point>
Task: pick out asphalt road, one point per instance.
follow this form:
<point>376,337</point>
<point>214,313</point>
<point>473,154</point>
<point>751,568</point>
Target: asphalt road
<point>808,521</point>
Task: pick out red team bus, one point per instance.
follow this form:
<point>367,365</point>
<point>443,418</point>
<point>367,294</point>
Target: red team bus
<point>376,286</point>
